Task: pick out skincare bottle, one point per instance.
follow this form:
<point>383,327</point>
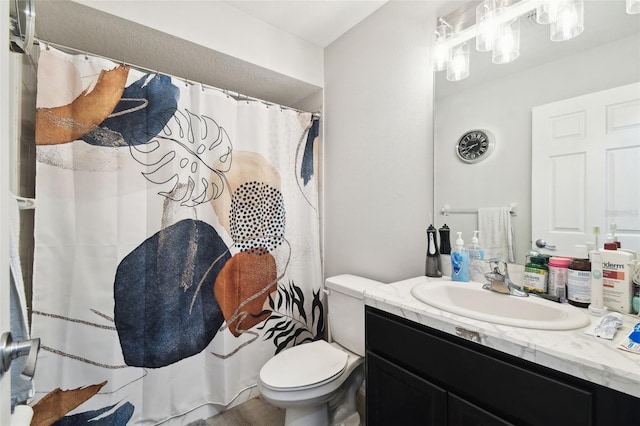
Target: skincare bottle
<point>460,261</point>
<point>477,265</point>
<point>579,278</point>
<point>617,271</point>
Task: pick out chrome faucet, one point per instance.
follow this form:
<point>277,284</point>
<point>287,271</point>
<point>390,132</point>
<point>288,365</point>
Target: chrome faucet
<point>500,282</point>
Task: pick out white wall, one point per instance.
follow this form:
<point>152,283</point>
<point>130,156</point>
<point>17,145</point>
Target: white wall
<point>378,138</point>
<point>504,107</point>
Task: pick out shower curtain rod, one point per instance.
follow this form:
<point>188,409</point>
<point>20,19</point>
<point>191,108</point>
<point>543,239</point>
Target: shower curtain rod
<point>237,96</point>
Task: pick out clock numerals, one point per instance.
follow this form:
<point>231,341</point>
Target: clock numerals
<point>473,146</point>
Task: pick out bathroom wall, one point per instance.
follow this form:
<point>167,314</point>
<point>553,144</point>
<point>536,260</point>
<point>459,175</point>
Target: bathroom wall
<point>379,144</point>
<point>504,107</point>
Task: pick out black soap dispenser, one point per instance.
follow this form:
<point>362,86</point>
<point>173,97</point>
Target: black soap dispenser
<point>432,264</point>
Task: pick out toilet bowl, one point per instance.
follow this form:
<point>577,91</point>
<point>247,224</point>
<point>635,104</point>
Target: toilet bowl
<point>317,382</point>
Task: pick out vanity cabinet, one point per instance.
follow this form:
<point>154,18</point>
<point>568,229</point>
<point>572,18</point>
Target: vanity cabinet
<point>417,375</point>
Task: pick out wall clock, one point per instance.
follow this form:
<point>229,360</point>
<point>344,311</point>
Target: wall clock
<point>475,145</point>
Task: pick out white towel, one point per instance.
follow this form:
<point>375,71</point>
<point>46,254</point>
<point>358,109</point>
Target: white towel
<point>496,234</point>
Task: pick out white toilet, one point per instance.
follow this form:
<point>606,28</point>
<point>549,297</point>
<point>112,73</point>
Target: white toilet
<point>317,382</point>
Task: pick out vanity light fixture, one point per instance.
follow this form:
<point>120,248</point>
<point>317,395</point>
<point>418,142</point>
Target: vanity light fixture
<point>495,26</point>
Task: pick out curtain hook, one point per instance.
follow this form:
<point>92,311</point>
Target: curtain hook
<point>202,86</point>
<point>86,55</point>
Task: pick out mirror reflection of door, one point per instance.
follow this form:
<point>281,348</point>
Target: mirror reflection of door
<point>586,169</point>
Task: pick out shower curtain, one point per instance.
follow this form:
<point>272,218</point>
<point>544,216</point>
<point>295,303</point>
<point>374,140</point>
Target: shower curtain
<point>176,242</point>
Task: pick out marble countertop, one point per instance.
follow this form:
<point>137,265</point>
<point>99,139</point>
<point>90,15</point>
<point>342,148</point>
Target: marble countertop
<point>570,351</point>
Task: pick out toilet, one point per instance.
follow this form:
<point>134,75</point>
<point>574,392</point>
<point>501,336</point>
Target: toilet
<point>317,382</point>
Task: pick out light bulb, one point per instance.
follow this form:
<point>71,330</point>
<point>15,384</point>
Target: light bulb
<point>441,54</point>
<point>458,68</point>
<point>507,45</point>
<point>486,25</point>
<point>569,22</point>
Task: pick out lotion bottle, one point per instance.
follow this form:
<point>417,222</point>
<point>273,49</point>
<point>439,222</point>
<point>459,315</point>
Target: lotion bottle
<point>460,261</point>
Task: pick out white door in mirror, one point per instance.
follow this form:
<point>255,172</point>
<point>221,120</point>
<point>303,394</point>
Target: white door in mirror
<point>585,157</point>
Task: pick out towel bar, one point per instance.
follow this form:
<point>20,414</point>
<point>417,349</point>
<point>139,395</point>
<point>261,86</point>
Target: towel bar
<point>447,210</point>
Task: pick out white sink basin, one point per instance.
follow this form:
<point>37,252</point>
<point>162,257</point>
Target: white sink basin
<point>472,301</point>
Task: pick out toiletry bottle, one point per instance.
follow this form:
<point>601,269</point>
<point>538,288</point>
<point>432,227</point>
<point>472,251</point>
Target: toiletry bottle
<point>557,282</point>
<point>460,261</point>
<point>432,263</point>
<point>477,265</point>
<point>617,271</point>
<point>596,307</point>
<point>579,278</point>
<point>535,275</point>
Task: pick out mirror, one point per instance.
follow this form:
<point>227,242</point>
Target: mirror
<point>499,98</point>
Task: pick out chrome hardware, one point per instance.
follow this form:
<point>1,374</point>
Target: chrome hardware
<point>10,350</point>
<point>540,243</point>
<point>499,281</point>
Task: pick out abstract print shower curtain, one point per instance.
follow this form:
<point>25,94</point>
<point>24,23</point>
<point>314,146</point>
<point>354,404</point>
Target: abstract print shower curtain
<point>176,243</point>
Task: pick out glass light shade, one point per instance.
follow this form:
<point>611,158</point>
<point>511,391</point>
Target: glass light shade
<point>547,11</point>
<point>633,6</point>
<point>570,20</point>
<point>506,47</point>
<point>441,54</point>
<point>458,68</point>
<point>486,25</point>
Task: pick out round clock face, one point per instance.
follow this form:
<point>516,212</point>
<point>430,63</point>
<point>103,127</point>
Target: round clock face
<point>475,145</point>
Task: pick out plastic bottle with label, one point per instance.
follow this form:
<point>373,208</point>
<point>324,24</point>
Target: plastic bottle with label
<point>535,275</point>
<point>579,278</point>
<point>460,261</point>
<point>557,283</point>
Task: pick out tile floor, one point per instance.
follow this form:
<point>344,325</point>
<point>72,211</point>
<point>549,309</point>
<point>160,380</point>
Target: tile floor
<point>254,412</point>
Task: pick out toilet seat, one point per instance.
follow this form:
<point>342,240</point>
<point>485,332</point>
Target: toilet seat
<point>304,366</point>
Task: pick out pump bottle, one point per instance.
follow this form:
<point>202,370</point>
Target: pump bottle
<point>459,261</point>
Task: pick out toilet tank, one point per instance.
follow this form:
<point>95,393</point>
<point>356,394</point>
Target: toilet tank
<point>345,301</point>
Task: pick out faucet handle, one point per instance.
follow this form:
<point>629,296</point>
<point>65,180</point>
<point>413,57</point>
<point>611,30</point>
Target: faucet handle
<point>496,264</point>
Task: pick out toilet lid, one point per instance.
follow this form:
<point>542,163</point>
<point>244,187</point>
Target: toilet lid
<point>303,365</point>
